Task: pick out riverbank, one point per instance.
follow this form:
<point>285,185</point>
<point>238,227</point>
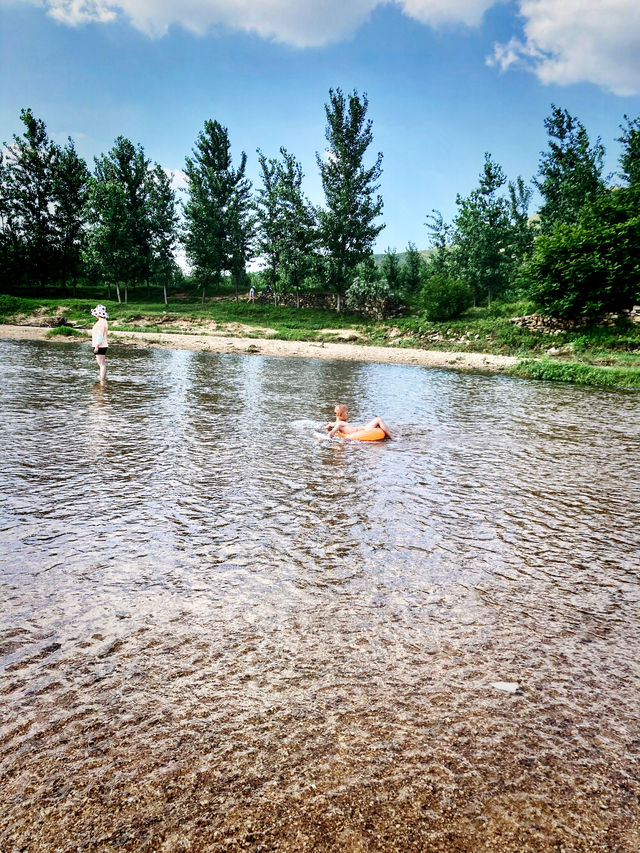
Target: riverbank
<point>484,362</point>
<point>487,340</point>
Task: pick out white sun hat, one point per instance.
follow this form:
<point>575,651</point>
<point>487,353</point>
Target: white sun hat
<point>100,311</point>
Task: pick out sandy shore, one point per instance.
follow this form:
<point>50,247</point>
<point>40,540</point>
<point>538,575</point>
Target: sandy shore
<point>297,349</point>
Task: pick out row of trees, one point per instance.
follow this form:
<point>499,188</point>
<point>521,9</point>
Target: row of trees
<point>121,224</point>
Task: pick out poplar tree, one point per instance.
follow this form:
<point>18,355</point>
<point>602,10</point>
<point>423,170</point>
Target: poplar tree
<point>390,269</point>
<point>217,220</point>
<point>70,193</point>
<point>120,213</point>
<point>569,172</point>
<point>412,269</point>
<point>287,222</point>
<point>164,222</point>
<point>483,234</point>
<point>348,225</point>
<point>440,262</point>
<point>28,199</point>
<point>630,157</point>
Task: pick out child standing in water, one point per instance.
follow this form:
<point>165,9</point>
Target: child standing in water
<point>341,427</point>
<point>99,339</point>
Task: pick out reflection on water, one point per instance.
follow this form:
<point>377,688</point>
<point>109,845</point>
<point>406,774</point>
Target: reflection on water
<point>221,630</point>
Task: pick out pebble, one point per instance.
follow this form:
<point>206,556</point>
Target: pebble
<point>507,686</point>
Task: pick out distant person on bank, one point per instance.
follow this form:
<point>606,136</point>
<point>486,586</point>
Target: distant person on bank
<point>99,339</point>
<point>252,294</point>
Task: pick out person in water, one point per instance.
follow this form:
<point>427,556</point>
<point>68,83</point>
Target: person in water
<point>341,426</point>
<point>99,339</point>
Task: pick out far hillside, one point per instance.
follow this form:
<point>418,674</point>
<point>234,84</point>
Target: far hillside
<point>426,254</point>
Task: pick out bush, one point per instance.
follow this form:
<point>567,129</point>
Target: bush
<point>445,298</point>
<point>592,267</point>
<point>363,292</point>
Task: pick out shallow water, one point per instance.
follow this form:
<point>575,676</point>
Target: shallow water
<point>220,630</point>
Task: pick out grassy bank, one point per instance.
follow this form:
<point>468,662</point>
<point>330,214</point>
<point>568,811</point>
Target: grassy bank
<point>601,356</point>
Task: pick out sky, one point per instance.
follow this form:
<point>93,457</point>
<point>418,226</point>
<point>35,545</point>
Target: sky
<point>446,80</point>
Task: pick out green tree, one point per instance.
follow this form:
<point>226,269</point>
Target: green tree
<point>269,218</point>
<point>241,231</point>
<point>522,231</point>
<point>164,222</point>
<point>28,199</point>
<point>483,235</point>
<point>287,223</point>
<point>120,211</point>
<point>390,270</point>
<point>440,262</point>
<point>348,225</point>
<point>70,193</point>
<point>570,172</point>
<point>12,249</point>
<point>110,250</point>
<point>214,225</point>
<point>630,157</point>
<point>412,269</point>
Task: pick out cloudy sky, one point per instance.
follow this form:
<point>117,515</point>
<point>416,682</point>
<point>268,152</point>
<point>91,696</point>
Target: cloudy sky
<point>447,80</point>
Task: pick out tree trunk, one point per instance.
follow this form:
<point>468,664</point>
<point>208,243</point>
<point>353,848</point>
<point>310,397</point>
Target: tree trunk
<point>164,288</point>
<point>297,296</point>
<point>148,291</point>
<point>118,292</point>
<point>203,287</point>
<point>339,302</point>
<point>126,292</point>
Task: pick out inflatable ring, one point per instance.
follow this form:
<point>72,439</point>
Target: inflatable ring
<point>375,434</point>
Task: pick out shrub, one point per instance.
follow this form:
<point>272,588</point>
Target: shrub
<point>445,298</point>
<point>592,267</point>
<point>363,292</point>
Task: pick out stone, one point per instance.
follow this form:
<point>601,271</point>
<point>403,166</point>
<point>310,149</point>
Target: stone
<point>512,687</point>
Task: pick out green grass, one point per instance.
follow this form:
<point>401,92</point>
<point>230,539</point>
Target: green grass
<point>64,331</point>
<point>577,373</point>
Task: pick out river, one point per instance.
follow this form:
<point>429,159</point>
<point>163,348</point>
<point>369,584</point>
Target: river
<point>222,631</point>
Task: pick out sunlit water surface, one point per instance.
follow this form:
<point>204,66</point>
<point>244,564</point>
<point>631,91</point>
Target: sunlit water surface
<point>220,630</point>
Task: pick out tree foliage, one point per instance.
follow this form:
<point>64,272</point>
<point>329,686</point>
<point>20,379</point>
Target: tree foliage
<point>348,225</point>
<point>482,235</point>
<point>28,199</point>
<point>569,172</point>
<point>412,270</point>
<point>390,270</point>
<point>287,222</point>
<point>218,224</point>
<point>593,266</point>
<point>630,157</point>
<point>164,226</point>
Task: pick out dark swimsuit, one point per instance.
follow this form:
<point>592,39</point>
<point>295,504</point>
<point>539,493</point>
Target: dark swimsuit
<point>102,350</point>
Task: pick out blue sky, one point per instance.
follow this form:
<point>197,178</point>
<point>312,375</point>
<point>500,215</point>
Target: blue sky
<point>446,81</point>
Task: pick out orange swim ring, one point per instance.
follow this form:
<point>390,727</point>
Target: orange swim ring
<point>375,434</point>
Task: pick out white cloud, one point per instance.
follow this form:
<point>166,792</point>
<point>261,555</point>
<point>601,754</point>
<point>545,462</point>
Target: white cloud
<point>576,41</point>
<point>301,23</point>
<point>436,12</point>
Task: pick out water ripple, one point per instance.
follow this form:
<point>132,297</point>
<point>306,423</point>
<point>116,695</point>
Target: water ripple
<point>221,630</point>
